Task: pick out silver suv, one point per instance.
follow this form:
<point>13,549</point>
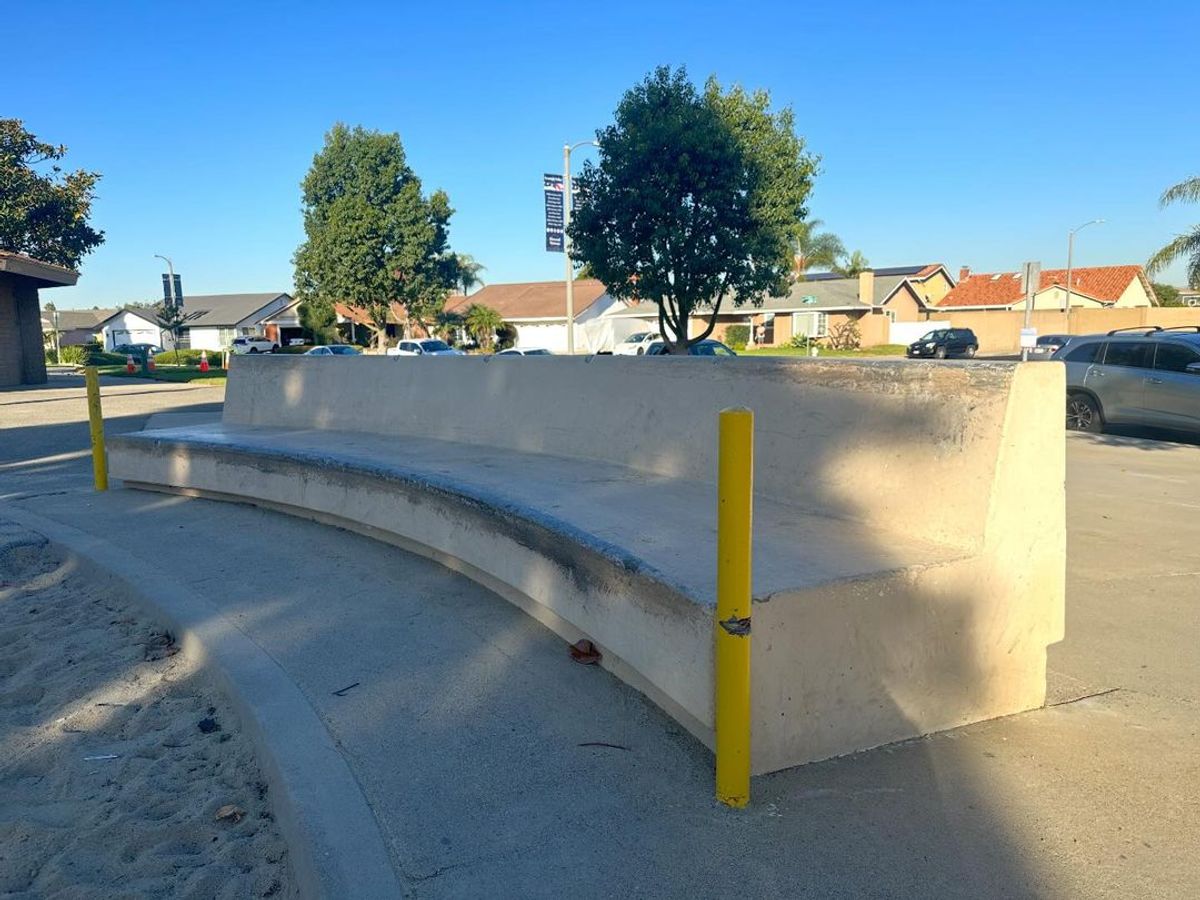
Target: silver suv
<point>1134,376</point>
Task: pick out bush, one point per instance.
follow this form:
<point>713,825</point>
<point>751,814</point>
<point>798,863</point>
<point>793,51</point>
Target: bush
<point>187,357</point>
<point>51,356</point>
<point>737,336</point>
<point>73,356</point>
<point>801,342</point>
<point>845,336</point>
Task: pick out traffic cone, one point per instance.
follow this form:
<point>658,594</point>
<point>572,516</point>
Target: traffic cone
<point>203,361</point>
<point>150,360</point>
<point>129,366</point>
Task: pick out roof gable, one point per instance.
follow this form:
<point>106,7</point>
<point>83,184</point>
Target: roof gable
<point>1103,283</point>
<point>225,310</point>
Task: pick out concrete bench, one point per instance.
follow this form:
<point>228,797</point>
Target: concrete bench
<point>909,517</point>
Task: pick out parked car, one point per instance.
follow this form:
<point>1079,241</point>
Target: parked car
<point>137,349</point>
<point>1048,344</point>
<point>423,347</point>
<point>943,342</point>
<point>518,351</point>
<point>254,343</point>
<point>333,350</point>
<point>1145,376</point>
<point>636,344</point>
<point>706,347</point>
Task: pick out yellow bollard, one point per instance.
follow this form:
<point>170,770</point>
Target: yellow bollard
<point>96,421</point>
<point>735,488</point>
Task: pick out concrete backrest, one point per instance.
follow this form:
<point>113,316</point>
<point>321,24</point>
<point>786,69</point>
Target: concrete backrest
<point>911,448</point>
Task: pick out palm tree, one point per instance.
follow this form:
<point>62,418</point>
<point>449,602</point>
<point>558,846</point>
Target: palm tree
<point>468,272</point>
<point>816,249</point>
<point>483,322</point>
<point>853,265</point>
<point>1186,245</point>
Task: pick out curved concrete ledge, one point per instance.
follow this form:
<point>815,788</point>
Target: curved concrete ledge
<point>334,842</point>
<point>909,519</point>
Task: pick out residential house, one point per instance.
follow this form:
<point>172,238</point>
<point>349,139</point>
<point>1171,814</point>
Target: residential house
<point>74,326</point>
<point>138,325</point>
<point>818,305</point>
<point>1092,287</point>
<point>1189,296</point>
<point>215,320</point>
<point>22,351</point>
<point>538,310</point>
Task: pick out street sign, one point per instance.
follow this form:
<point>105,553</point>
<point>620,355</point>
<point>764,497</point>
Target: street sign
<point>552,187</point>
<point>177,300</point>
<point>1028,338</point>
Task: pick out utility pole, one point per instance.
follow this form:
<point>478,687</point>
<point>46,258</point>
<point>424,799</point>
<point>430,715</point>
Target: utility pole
<point>1032,275</point>
<point>1070,252</point>
<point>570,272</point>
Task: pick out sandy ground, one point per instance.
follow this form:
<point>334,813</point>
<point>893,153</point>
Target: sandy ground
<point>85,676</point>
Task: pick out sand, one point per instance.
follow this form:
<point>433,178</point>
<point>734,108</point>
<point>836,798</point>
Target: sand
<point>83,673</point>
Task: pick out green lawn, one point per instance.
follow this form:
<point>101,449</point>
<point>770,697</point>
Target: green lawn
<point>189,374</point>
<point>881,350</point>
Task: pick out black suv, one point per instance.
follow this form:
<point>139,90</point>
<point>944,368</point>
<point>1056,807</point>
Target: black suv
<point>945,342</point>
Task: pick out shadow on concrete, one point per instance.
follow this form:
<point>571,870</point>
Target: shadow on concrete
<point>493,762</point>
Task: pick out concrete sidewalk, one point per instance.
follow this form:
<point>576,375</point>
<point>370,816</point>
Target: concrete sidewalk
<point>496,766</point>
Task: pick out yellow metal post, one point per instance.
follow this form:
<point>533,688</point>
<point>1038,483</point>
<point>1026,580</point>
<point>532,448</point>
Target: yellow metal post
<point>96,421</point>
<point>735,488</point>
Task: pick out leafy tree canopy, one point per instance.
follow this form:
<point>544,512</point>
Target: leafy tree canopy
<point>43,210</point>
<point>852,265</point>
<point>1168,295</point>
<point>698,198</point>
<point>371,236</point>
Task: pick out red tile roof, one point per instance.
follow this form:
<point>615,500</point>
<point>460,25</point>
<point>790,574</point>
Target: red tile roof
<point>531,300</point>
<point>1103,283</point>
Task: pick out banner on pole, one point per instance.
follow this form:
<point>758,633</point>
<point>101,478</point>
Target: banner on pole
<point>552,187</point>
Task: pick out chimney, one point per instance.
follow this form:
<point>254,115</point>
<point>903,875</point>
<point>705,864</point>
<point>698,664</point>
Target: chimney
<point>964,273</point>
<point>866,287</point>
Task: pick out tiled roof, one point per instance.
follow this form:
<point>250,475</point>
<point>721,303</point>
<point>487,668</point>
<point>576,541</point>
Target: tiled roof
<point>1103,283</point>
<point>531,300</point>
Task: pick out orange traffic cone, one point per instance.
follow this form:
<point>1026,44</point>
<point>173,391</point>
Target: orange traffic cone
<point>150,360</point>
<point>129,367</point>
<point>203,361</point>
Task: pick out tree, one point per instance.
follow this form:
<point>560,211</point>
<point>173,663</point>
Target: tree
<point>696,199</point>
<point>467,270</point>
<point>816,249</point>
<point>43,215</point>
<point>1185,246</point>
<point>371,237</point>
<point>852,265</point>
<point>482,323</point>
<point>1167,295</point>
<point>173,319</point>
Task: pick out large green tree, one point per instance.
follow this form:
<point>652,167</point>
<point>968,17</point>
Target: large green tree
<point>43,210</point>
<point>696,200</point>
<point>1187,245</point>
<point>852,265</point>
<point>372,238</point>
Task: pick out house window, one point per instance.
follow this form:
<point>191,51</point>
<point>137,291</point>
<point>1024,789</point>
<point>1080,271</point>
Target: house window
<point>811,324</point>
<point>225,336</point>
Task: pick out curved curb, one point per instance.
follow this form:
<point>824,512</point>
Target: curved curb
<point>333,838</point>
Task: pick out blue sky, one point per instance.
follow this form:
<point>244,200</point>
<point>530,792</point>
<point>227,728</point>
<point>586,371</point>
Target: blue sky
<point>949,132</point>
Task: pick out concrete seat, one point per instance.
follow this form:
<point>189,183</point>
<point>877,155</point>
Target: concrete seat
<point>900,607</point>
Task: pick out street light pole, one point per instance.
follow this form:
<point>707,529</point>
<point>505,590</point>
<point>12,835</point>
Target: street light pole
<point>567,148</point>
<point>1070,253</point>
<point>171,296</point>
